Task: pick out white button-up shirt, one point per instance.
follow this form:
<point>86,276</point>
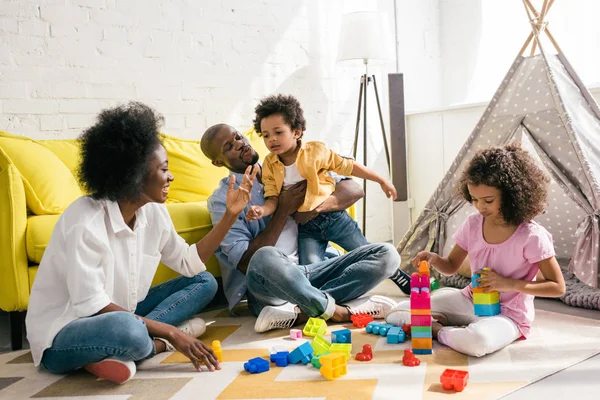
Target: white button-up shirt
<point>94,259</point>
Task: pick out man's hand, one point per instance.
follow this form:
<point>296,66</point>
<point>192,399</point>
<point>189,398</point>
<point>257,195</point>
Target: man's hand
<point>195,350</point>
<point>291,199</point>
<point>303,217</point>
<point>236,200</point>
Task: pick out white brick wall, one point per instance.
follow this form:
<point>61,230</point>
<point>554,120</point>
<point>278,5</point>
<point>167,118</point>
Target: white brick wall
<point>198,62</point>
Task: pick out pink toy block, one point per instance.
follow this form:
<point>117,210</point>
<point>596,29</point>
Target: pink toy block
<point>295,334</point>
<point>421,300</point>
<point>420,320</point>
<point>415,281</point>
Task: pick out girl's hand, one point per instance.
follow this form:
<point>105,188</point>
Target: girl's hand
<point>431,258</point>
<point>254,212</point>
<point>236,200</point>
<point>490,281</point>
<point>195,350</point>
<point>389,189</point>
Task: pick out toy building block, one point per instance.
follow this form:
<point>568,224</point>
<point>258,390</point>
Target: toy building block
<point>303,353</point>
<point>216,348</point>
<point>366,354</point>
<point>314,327</point>
<point>454,379</point>
<point>280,358</point>
<point>486,298</point>
<point>378,328</point>
<point>423,311</point>
<point>424,268</point>
<point>342,348</point>
<point>320,345</point>
<point>316,360</point>
<point>434,284</point>
<point>421,343</point>
<point>395,335</point>
<point>341,336</point>
<point>422,351</point>
<point>256,365</point>
<point>486,310</point>
<point>295,334</point>
<point>420,320</point>
<point>371,326</point>
<point>406,328</point>
<point>421,332</point>
<point>361,320</point>
<point>333,366</point>
<point>409,359</point>
<point>420,299</point>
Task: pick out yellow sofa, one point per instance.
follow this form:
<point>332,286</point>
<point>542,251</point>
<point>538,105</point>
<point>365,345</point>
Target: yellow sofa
<point>37,182</point>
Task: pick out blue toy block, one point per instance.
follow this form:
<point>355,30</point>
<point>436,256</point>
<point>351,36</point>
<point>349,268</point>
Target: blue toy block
<point>420,335</point>
<point>395,335</point>
<point>256,365</point>
<point>378,328</point>
<point>474,278</point>
<point>280,358</point>
<point>384,328</point>
<point>303,353</point>
<point>373,325</point>
<point>487,310</point>
<point>341,336</point>
<point>422,351</point>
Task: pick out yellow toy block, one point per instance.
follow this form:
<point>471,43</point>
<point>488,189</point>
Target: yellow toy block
<point>314,327</point>
<point>420,311</point>
<point>486,298</point>
<point>422,343</point>
<point>216,348</point>
<point>333,366</point>
<point>342,348</point>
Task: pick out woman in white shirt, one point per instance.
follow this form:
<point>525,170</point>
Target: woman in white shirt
<point>91,304</point>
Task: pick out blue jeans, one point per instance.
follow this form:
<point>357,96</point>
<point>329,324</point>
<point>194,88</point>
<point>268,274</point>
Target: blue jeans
<point>335,226</point>
<point>274,280</point>
<point>124,335</point>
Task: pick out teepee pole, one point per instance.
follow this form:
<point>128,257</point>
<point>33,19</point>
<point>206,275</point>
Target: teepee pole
<point>536,20</point>
<point>526,44</point>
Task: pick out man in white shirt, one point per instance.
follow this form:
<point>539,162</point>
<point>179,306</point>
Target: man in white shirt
<point>91,304</point>
<point>258,258</point>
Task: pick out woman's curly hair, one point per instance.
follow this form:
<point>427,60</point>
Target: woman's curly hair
<point>512,170</point>
<point>116,151</point>
<point>285,105</point>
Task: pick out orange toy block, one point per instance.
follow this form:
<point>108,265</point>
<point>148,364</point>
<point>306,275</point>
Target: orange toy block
<point>423,268</point>
<point>420,311</point>
<point>422,343</point>
<point>333,365</point>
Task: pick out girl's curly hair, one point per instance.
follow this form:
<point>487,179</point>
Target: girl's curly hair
<point>116,151</point>
<point>285,105</point>
<point>514,172</point>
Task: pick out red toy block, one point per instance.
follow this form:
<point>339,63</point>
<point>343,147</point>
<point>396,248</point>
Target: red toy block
<point>366,354</point>
<point>361,320</point>
<point>409,359</point>
<point>406,329</point>
<point>454,379</point>
<point>420,300</point>
<point>420,320</point>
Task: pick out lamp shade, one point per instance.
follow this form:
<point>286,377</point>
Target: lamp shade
<point>366,35</point>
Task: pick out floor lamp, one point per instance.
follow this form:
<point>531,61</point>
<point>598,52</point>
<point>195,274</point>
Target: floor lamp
<point>366,36</point>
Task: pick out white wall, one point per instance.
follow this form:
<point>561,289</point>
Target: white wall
<point>198,62</point>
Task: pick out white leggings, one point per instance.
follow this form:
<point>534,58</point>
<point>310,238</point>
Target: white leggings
<point>481,336</point>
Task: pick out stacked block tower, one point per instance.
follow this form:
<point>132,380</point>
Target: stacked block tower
<point>486,304</point>
<point>420,310</point>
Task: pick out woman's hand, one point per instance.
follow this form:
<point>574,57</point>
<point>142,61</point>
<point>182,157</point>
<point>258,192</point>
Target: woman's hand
<point>195,350</point>
<point>490,281</point>
<point>430,257</point>
<point>237,199</point>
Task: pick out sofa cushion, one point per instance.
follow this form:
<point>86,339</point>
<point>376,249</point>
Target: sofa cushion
<point>49,185</point>
<point>191,220</point>
<point>67,150</point>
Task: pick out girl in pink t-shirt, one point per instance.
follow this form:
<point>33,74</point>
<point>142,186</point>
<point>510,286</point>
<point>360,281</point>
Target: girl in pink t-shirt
<point>508,190</point>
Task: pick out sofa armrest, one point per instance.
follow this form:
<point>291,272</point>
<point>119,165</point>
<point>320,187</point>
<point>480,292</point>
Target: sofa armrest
<point>14,276</point>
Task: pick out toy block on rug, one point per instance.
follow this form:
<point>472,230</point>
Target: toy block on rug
<point>342,348</point>
<point>320,345</point>
<point>366,354</point>
<point>303,353</point>
<point>395,335</point>
<point>378,328</point>
<point>361,320</point>
<point>341,336</point>
<point>454,379</point>
<point>314,327</point>
<point>216,348</point>
<point>280,358</point>
<point>295,334</point>
<point>409,359</point>
<point>256,365</point>
<point>333,366</point>
<point>316,360</point>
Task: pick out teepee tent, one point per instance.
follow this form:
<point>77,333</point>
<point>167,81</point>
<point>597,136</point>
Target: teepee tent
<point>543,104</point>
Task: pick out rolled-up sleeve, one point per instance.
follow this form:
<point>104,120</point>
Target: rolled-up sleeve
<point>176,253</point>
<point>85,274</point>
<point>268,179</point>
<point>333,161</point>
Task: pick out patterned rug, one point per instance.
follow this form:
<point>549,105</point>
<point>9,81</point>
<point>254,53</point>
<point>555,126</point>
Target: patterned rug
<point>557,342</point>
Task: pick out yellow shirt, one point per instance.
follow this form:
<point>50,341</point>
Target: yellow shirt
<point>313,161</point>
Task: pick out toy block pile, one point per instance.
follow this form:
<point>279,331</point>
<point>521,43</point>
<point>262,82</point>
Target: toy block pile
<point>420,310</point>
<point>485,304</point>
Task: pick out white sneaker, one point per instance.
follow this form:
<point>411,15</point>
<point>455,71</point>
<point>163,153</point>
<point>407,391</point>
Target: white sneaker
<point>276,317</point>
<point>194,327</point>
<point>112,370</point>
<point>375,306</point>
<point>399,314</point>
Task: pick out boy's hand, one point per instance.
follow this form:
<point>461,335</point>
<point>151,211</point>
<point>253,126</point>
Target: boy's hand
<point>491,281</point>
<point>389,189</point>
<point>424,256</point>
<point>254,212</point>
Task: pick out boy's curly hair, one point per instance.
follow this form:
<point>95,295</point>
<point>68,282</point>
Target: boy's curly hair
<point>285,105</point>
<point>116,151</point>
<point>513,171</point>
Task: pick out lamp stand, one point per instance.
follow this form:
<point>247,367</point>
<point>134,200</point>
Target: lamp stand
<point>362,101</point>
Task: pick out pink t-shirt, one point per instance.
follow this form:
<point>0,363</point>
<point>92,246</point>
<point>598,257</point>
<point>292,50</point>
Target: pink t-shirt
<point>515,258</point>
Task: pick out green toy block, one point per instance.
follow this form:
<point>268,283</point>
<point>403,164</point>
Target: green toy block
<point>434,284</point>
<point>316,360</point>
<point>344,348</point>
<point>420,329</point>
<point>314,327</point>
<point>320,345</point>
